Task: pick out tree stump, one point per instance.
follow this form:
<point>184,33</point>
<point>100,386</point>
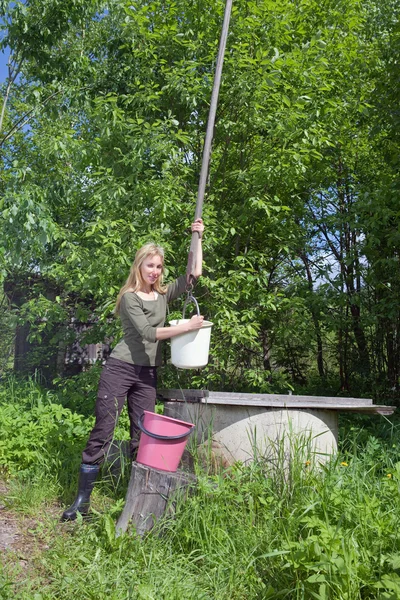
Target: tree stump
<point>150,493</point>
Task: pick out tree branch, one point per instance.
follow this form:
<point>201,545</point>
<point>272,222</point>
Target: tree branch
<point>30,114</point>
<point>13,72</point>
<point>24,120</point>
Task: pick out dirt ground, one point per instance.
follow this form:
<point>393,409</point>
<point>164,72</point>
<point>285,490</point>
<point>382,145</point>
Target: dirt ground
<point>20,543</point>
<point>9,533</point>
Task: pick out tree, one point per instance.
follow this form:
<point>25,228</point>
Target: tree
<point>117,101</point>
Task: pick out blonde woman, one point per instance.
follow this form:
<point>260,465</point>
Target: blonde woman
<point>131,371</point>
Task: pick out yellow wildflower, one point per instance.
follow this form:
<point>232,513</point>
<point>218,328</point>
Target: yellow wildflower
<point>389,476</point>
<point>308,463</point>
<point>344,464</point>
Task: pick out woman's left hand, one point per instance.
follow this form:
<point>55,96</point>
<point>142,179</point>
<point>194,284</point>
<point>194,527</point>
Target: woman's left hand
<point>198,226</point>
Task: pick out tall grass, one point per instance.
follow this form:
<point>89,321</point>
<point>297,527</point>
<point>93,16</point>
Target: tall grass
<point>248,533</point>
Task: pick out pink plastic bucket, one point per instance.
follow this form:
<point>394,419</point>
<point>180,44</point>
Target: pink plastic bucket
<point>162,442</point>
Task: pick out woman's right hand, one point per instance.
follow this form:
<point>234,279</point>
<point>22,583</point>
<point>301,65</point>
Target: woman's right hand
<point>195,322</point>
<point>165,333</point>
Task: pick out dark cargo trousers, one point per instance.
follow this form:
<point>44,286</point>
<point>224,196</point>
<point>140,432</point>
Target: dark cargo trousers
<point>119,380</point>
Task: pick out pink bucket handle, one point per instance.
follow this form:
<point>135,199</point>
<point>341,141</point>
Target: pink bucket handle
<point>157,436</point>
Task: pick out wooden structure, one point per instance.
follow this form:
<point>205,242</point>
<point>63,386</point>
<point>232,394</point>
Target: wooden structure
<point>150,494</point>
<point>240,426</point>
<point>205,163</point>
<point>205,397</point>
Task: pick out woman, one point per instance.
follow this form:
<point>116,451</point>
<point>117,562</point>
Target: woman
<point>131,370</point>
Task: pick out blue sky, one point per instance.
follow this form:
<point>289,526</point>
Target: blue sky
<point>3,65</point>
<point>3,55</point>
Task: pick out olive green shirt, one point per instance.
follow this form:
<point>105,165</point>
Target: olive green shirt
<point>140,319</point>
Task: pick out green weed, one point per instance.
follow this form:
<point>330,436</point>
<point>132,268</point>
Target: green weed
<point>295,531</point>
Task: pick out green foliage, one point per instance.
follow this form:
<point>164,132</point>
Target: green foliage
<point>39,430</point>
<point>239,537</point>
<point>102,143</point>
<point>248,532</point>
<point>7,332</point>
<point>35,428</point>
<point>79,392</point>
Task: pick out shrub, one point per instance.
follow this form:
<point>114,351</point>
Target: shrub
<point>33,426</point>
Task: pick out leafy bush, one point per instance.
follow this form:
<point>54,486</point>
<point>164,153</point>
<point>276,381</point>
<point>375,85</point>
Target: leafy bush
<point>79,392</point>
<point>34,425</point>
<point>37,427</point>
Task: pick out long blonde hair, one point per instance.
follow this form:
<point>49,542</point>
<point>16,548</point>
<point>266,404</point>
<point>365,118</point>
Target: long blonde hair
<point>135,280</point>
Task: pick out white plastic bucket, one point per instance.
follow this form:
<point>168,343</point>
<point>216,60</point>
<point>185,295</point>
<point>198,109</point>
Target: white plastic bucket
<point>190,350</point>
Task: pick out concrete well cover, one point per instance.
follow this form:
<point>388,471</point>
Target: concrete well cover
<point>275,435</point>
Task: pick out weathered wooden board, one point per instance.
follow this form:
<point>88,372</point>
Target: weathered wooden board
<point>298,405</point>
<point>258,399</point>
<point>150,493</point>
<point>289,401</point>
<point>372,410</point>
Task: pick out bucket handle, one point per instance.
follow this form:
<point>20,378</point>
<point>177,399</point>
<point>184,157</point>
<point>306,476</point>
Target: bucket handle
<point>190,298</point>
<point>157,436</point>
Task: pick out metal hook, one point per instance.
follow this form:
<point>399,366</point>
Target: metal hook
<point>189,287</point>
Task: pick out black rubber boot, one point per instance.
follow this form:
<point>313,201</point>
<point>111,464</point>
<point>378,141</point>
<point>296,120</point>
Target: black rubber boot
<point>87,477</point>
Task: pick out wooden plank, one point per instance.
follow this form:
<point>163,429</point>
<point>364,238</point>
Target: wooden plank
<point>247,398</point>
<point>289,401</point>
<point>242,399</point>
<point>283,402</point>
<point>369,408</point>
<point>376,409</point>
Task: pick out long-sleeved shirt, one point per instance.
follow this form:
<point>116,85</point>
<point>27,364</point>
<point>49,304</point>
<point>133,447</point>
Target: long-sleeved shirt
<point>140,319</point>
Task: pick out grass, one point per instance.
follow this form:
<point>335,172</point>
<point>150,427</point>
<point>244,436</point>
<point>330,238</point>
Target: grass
<point>246,534</point>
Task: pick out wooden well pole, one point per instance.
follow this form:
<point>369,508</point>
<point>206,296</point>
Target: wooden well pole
<point>208,139</point>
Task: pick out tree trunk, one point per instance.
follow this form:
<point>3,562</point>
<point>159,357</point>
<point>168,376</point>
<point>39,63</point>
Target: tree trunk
<point>150,494</point>
<point>315,317</point>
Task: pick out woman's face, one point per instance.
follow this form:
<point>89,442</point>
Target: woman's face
<point>151,269</point>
